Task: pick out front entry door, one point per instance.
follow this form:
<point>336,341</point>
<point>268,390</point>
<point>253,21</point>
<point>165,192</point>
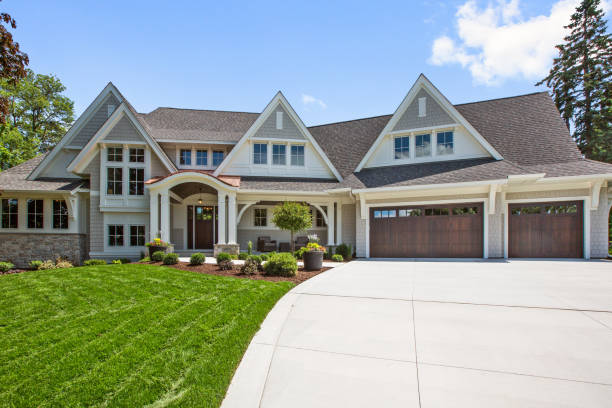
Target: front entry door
<point>202,226</point>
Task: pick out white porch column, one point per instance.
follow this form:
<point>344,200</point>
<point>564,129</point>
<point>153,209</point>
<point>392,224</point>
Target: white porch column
<point>165,216</point>
<point>330,223</point>
<point>339,224</point>
<point>153,215</point>
<point>221,216</point>
<point>231,219</point>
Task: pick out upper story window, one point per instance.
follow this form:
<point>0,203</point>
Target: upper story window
<point>297,155</point>
<point>60,214</point>
<point>402,147</point>
<point>136,155</point>
<point>114,181</point>
<point>260,153</point>
<point>445,143</point>
<point>260,217</point>
<point>217,157</point>
<point>201,157</point>
<point>185,157</point>
<point>9,213</point>
<point>136,182</point>
<point>422,145</point>
<point>279,154</point>
<point>35,214</point>
<point>115,154</point>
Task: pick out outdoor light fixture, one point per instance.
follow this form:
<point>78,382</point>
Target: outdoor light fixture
<point>200,199</point>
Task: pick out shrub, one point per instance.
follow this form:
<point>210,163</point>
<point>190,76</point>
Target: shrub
<point>197,259</point>
<point>299,254</point>
<point>337,258</point>
<point>116,262</point>
<point>327,255</point>
<point>125,260</point>
<point>94,262</point>
<point>225,265</point>
<point>145,259</point>
<point>233,256</point>
<point>170,259</point>
<point>345,250</point>
<point>48,264</point>
<point>283,264</point>
<point>250,248</point>
<point>223,256</point>
<point>62,263</point>
<point>158,256</point>
<point>257,259</point>
<point>6,266</point>
<point>243,256</point>
<point>34,265</point>
<point>264,257</point>
<point>250,267</point>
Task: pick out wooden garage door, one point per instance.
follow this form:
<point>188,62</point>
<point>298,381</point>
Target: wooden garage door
<point>442,231</point>
<point>545,230</point>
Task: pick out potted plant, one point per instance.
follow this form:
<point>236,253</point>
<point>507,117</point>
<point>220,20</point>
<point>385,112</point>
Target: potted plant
<point>293,217</point>
<point>157,245</point>
<point>313,256</point>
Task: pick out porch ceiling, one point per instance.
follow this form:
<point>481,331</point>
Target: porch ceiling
<point>187,189</point>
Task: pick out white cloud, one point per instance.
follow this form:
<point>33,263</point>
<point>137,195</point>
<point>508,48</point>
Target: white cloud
<point>497,43</point>
<point>311,100</point>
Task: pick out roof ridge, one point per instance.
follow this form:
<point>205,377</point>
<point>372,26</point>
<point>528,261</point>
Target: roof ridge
<point>200,110</point>
<point>350,120</point>
<point>504,97</point>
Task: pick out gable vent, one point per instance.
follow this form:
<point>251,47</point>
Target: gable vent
<point>279,120</point>
<point>422,107</point>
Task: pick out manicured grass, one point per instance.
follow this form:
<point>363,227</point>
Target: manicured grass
<point>125,335</point>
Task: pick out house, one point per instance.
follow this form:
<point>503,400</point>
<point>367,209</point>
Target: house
<point>491,179</point>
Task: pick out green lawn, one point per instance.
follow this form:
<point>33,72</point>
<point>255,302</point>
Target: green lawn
<point>125,335</point>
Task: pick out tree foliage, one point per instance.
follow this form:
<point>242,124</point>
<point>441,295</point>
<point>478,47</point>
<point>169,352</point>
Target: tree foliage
<point>580,80</point>
<point>293,217</point>
<point>12,60</point>
<point>14,148</point>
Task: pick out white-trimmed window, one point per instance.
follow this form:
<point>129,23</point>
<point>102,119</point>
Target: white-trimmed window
<point>297,155</point>
<point>114,180</point>
<point>114,154</point>
<point>260,217</point>
<point>201,157</point>
<point>136,182</point>
<point>137,235</point>
<point>445,143</point>
<point>10,213</point>
<point>60,214</point>
<point>260,153</point>
<point>115,235</point>
<point>35,214</point>
<point>401,147</point>
<point>136,155</point>
<point>422,145</point>
<point>185,157</point>
<point>279,154</point>
<point>217,157</point>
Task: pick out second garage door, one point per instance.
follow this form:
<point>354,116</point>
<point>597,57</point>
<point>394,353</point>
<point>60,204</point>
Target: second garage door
<point>441,231</point>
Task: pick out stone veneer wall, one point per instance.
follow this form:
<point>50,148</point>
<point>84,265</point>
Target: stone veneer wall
<point>599,226</point>
<point>20,249</point>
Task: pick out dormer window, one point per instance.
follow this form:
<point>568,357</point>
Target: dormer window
<point>422,145</point>
<point>279,154</point>
<point>202,157</point>
<point>402,147</point>
<point>260,153</point>
<point>114,154</point>
<point>217,157</point>
<point>185,157</point>
<point>297,155</point>
<point>445,143</point>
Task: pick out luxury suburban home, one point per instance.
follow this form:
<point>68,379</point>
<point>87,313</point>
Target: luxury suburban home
<point>490,179</point>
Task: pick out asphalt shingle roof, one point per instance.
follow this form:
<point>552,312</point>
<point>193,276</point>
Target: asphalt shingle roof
<point>15,179</point>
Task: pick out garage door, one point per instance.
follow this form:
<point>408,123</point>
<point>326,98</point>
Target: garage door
<point>545,230</point>
<point>445,231</point>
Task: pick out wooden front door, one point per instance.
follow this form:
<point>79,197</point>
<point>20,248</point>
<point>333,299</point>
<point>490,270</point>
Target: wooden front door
<point>545,230</point>
<point>201,227</point>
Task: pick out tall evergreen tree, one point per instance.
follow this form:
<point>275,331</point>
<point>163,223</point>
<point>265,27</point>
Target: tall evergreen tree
<point>580,81</point>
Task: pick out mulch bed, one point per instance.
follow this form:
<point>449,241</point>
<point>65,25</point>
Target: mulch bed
<point>12,271</point>
<point>213,269</point>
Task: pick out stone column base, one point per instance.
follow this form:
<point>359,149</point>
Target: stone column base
<point>232,249</point>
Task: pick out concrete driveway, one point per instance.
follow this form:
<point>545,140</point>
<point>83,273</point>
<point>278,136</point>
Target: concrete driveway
<point>436,334</point>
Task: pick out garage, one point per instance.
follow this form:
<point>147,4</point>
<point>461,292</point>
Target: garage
<point>545,230</point>
<point>433,231</point>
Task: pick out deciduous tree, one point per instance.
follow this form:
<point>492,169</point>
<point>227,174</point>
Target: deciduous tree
<point>12,60</point>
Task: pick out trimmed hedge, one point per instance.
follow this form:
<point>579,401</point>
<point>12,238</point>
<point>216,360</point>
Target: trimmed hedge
<point>223,256</point>
<point>197,259</point>
<point>94,262</point>
<point>345,250</point>
<point>170,259</point>
<point>283,264</point>
<point>34,265</point>
<point>6,266</point>
<point>158,256</point>
<point>243,256</point>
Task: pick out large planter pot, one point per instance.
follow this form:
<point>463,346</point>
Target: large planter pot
<point>153,249</point>
<point>313,260</point>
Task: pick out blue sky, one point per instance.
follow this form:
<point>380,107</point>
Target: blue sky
<point>333,60</point>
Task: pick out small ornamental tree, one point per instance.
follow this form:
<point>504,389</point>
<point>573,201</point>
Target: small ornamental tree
<point>293,217</point>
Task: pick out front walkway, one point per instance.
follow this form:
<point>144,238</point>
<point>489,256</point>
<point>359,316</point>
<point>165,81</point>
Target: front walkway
<point>436,334</point>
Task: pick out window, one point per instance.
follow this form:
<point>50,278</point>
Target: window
<point>385,214</point>
<point>465,210</point>
<point>137,155</point>
<point>35,214</point>
<point>297,155</point>
<point>261,217</point>
<point>9,213</point>
<point>279,154</point>
<point>185,157</point>
<point>437,211</point>
<point>136,181</point>
<point>115,154</point>
<point>415,212</point>
<point>202,157</point>
<point>402,147</point>
<point>320,219</point>
<point>445,143</point>
<point>279,120</point>
<point>115,235</point>
<point>60,214</point>
<point>535,209</point>
<point>137,235</point>
<point>422,107</point>
<point>114,181</point>
<point>260,153</point>
<point>560,209</point>
<point>217,157</point>
<point>423,145</point>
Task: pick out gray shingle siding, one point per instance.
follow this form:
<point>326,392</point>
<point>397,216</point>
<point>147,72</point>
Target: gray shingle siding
<point>348,224</point>
<point>434,114</point>
<point>289,130</point>
<point>94,123</point>
<point>124,130</point>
